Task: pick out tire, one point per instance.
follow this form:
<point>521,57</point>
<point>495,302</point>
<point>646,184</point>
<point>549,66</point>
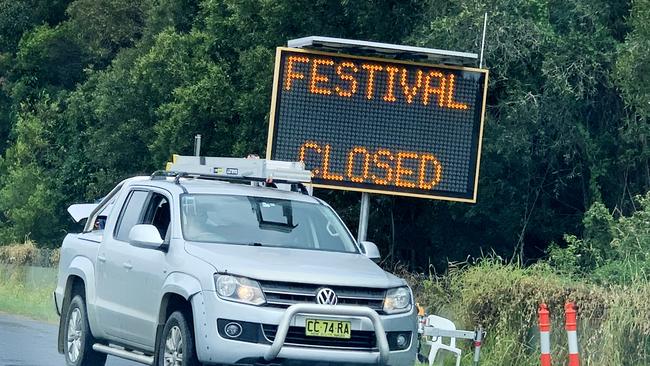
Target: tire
<point>176,346</point>
<point>78,340</point>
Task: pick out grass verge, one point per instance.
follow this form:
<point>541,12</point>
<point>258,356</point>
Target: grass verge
<point>28,291</point>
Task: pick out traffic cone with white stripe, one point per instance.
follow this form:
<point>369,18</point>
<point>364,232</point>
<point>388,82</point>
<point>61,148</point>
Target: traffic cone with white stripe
<point>544,334</point>
<point>571,326</point>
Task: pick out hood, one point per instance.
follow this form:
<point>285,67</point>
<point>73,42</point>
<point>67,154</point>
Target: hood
<point>294,265</point>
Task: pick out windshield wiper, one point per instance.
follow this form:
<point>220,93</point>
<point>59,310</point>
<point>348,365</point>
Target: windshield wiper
<point>256,244</point>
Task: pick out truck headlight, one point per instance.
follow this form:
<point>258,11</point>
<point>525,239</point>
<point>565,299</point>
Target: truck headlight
<point>397,300</point>
<point>239,289</point>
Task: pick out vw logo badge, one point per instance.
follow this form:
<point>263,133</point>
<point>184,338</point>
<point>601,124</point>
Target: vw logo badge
<point>326,296</point>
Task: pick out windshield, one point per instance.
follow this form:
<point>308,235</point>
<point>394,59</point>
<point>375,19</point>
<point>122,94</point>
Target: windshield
<point>263,221</point>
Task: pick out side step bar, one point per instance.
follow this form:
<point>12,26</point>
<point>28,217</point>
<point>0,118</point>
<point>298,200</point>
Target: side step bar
<point>132,356</point>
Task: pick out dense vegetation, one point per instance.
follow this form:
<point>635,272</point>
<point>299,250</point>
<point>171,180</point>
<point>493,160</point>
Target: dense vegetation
<point>95,91</point>
<point>607,274</point>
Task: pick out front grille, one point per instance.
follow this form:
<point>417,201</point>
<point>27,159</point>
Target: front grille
<point>285,294</point>
<point>359,340</point>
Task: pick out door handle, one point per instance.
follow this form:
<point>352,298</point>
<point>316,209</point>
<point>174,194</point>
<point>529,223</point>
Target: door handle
<point>127,265</point>
<point>101,258</point>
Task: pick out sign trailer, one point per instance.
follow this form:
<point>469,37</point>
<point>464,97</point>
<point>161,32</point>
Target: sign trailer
<point>378,122</point>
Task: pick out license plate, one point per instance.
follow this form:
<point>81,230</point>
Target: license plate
<point>327,328</point>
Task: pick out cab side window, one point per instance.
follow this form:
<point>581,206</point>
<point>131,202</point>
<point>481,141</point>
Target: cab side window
<point>131,214</point>
<point>158,214</point>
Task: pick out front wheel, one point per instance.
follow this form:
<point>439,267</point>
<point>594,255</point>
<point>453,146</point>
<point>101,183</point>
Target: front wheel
<point>78,342</point>
<point>176,346</point>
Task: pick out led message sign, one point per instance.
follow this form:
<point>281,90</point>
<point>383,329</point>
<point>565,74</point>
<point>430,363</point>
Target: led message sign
<point>378,125</point>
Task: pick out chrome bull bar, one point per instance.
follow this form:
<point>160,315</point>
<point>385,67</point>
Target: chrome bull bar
<point>340,310</point>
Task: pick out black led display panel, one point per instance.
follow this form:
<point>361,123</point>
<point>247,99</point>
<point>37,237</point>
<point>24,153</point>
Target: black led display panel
<point>382,126</point>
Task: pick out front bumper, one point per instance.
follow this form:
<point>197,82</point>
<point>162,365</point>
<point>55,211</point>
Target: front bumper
<point>380,357</point>
<point>212,347</point>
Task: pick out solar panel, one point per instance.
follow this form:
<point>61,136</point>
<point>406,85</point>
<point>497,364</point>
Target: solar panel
<point>385,50</point>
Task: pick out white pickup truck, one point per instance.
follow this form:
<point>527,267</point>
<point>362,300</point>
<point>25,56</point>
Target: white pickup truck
<point>212,263</point>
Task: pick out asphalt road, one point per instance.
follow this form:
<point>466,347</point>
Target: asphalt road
<point>25,342</point>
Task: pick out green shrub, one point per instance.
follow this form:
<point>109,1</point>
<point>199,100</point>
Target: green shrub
<point>612,250</point>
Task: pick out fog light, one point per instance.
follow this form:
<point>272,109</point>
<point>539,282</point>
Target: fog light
<point>401,341</point>
<point>232,330</point>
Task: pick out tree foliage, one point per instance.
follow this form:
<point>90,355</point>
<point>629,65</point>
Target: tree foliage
<point>95,91</point>
<point>612,249</point>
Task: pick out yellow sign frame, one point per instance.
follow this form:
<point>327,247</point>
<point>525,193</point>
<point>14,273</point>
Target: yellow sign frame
<point>274,95</point>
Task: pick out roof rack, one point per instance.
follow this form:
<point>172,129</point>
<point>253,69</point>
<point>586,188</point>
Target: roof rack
<point>270,173</point>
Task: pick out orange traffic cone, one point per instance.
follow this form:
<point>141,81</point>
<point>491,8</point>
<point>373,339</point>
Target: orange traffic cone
<point>571,326</point>
<point>545,334</point>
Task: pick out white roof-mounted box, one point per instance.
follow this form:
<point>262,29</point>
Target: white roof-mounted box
<point>241,168</point>
<point>386,50</point>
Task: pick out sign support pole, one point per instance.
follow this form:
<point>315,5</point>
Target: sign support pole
<point>364,213</point>
<point>197,145</point>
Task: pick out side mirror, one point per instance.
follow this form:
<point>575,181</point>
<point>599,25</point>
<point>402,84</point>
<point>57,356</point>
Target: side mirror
<point>370,250</point>
<point>145,236</point>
